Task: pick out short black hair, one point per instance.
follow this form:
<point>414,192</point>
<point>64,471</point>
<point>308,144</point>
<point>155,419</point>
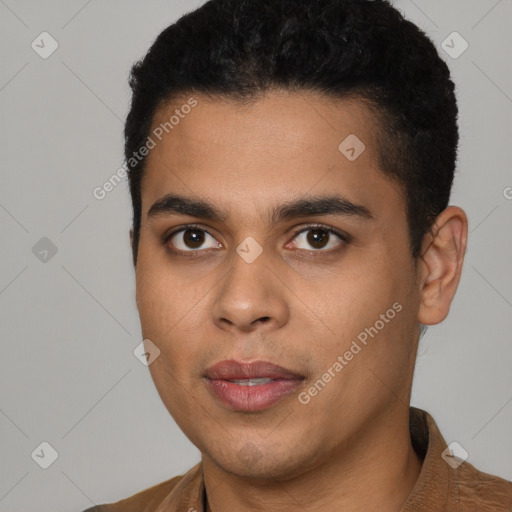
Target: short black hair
<point>363,49</point>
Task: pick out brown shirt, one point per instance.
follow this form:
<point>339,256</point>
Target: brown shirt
<point>441,487</point>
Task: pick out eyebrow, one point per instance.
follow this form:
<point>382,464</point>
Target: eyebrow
<point>311,206</point>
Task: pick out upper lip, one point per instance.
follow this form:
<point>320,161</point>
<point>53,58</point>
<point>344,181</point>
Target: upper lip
<point>234,370</point>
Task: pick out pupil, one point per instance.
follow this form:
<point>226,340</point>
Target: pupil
<point>318,238</point>
<point>194,238</point>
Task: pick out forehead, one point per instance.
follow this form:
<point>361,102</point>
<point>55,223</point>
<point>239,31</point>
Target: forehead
<point>284,146</point>
<point>289,122</point>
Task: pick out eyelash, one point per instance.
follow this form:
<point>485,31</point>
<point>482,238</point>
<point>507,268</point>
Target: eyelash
<point>346,239</point>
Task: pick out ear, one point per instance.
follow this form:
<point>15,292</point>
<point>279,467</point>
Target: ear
<point>440,265</point>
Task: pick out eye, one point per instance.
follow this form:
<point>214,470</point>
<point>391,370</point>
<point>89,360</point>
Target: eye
<point>192,238</point>
<point>320,238</point>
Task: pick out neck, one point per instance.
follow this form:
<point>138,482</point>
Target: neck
<point>380,459</point>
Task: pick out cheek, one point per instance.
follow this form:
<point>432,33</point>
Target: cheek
<point>354,297</point>
<point>162,298</point>
<point>171,316</point>
<point>174,390</point>
<point>370,300</point>
<point>152,300</point>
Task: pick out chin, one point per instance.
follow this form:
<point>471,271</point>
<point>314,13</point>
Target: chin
<point>260,463</point>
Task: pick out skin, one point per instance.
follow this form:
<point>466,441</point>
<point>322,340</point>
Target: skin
<point>297,305</point>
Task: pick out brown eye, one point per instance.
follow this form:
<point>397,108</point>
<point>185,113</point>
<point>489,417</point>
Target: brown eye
<point>193,238</point>
<point>318,238</point>
<point>190,239</point>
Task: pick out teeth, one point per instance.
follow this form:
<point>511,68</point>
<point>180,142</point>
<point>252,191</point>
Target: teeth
<point>252,382</point>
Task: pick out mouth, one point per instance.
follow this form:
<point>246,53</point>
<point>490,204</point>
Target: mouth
<point>252,382</point>
<point>251,387</point>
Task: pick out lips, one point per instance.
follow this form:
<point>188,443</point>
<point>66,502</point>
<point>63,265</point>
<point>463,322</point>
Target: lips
<point>251,386</point>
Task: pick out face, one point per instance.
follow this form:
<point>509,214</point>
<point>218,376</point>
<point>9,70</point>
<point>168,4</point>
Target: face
<point>279,247</point>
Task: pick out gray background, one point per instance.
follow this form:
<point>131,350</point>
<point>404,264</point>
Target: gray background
<point>69,324</point>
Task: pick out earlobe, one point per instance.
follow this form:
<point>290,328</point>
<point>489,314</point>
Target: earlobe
<point>441,263</point>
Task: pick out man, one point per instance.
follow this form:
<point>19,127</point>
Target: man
<point>291,163</point>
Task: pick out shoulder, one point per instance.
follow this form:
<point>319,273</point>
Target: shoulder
<point>490,492</point>
<point>454,483</point>
<point>144,501</point>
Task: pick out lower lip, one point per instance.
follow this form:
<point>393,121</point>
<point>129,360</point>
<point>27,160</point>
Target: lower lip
<point>252,398</point>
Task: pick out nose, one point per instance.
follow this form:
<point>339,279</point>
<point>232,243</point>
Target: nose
<point>251,297</point>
